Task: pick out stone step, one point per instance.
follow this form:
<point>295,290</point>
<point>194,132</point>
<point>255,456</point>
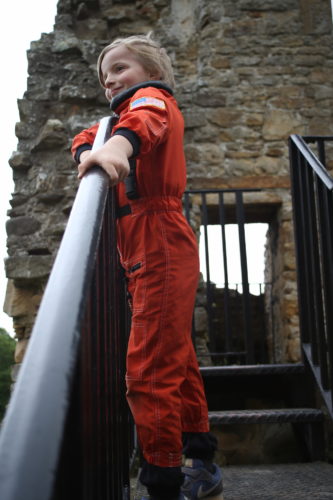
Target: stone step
<point>274,386</point>
<point>301,429</point>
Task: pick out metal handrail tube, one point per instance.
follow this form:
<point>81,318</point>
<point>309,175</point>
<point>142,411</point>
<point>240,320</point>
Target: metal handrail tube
<point>32,431</point>
<point>313,161</point>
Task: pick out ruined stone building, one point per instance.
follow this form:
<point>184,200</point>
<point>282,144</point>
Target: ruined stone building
<point>249,73</point>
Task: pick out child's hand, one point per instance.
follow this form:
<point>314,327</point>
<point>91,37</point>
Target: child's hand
<point>84,155</point>
<point>112,157</point>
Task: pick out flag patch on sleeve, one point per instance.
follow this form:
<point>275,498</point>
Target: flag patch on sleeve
<point>147,101</point>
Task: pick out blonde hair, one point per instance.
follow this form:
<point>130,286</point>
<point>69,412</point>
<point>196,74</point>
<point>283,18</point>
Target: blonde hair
<point>148,52</point>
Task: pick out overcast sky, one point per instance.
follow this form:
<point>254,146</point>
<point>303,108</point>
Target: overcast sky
<point>20,23</point>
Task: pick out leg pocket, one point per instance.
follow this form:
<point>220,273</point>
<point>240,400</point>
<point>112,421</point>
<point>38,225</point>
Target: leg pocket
<point>135,273</point>
<point>136,351</point>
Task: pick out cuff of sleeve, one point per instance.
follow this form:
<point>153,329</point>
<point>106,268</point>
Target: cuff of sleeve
<point>80,149</point>
<point>132,137</point>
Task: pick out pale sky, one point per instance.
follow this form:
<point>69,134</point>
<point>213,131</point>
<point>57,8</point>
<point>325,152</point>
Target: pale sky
<point>20,23</point>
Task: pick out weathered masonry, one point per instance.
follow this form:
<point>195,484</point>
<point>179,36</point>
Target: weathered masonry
<point>249,74</point>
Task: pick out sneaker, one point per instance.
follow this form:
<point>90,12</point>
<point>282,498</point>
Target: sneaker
<point>199,483</point>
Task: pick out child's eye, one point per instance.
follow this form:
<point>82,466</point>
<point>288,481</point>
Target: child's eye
<point>120,67</point>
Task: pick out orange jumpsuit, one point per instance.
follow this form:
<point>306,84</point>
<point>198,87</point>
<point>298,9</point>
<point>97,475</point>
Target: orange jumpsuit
<point>159,253</point>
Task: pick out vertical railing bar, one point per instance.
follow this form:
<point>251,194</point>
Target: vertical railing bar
<point>294,156</point>
<point>316,289</point>
<point>107,244</point>
<point>326,273</point>
<point>264,327</point>
<point>306,240</point>
<point>187,206</point>
<point>329,288</point>
<point>227,322</point>
<point>209,295</point>
<point>97,327</point>
<point>188,218</point>
<point>320,283</point>
<point>321,151</point>
<point>245,283</point>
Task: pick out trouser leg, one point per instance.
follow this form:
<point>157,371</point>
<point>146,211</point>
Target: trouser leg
<point>194,404</point>
<point>202,445</point>
<point>162,482</point>
<point>160,360</point>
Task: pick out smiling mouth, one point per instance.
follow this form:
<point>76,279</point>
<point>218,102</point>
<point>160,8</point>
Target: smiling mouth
<point>116,91</point>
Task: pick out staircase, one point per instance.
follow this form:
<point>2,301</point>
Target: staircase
<point>241,397</point>
<point>248,400</point>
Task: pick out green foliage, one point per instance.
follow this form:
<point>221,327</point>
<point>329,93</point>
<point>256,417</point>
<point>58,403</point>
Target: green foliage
<point>7,348</point>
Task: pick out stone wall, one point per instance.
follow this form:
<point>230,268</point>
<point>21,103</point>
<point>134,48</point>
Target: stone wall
<point>249,74</point>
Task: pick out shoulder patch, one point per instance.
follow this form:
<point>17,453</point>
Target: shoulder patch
<point>147,101</point>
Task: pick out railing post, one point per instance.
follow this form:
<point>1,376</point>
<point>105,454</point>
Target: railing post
<point>245,280</point>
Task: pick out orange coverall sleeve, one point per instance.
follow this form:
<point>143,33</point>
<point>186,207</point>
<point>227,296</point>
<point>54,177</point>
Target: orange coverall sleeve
<point>149,121</point>
<point>87,136</point>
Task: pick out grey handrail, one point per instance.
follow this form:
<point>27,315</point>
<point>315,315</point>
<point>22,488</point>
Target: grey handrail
<point>311,158</point>
<point>31,433</point>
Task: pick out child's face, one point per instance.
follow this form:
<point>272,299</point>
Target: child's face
<point>121,70</point>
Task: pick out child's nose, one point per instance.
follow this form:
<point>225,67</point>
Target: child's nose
<point>108,80</point>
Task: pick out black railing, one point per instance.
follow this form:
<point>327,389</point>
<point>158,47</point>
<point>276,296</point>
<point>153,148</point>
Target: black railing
<point>236,324</point>
<point>66,433</point>
<point>312,192</point>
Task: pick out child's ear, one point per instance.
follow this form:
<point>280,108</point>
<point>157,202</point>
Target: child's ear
<point>154,76</point>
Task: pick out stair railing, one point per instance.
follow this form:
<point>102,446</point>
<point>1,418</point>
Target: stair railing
<point>239,340</point>
<point>65,434</point>
<point>312,196</point>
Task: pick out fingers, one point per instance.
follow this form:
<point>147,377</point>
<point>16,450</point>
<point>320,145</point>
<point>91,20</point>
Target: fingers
<point>116,172</point>
<point>83,167</point>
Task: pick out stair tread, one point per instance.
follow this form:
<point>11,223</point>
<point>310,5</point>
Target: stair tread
<point>264,369</point>
<point>301,481</point>
<point>274,415</point>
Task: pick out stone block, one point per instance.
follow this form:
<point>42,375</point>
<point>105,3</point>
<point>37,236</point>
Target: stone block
<point>28,268</point>
<point>20,349</point>
<point>20,161</point>
<point>66,42</point>
<point>23,225</point>
<point>53,134</point>
<point>266,5</point>
<point>72,93</point>
<point>279,124</point>
<point>20,301</point>
<point>200,319</point>
<point>194,118</point>
<point>224,117</point>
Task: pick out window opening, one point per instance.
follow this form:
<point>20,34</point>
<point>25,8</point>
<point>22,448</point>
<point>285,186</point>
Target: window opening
<point>255,241</point>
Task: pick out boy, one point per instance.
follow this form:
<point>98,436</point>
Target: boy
<point>158,251</point>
